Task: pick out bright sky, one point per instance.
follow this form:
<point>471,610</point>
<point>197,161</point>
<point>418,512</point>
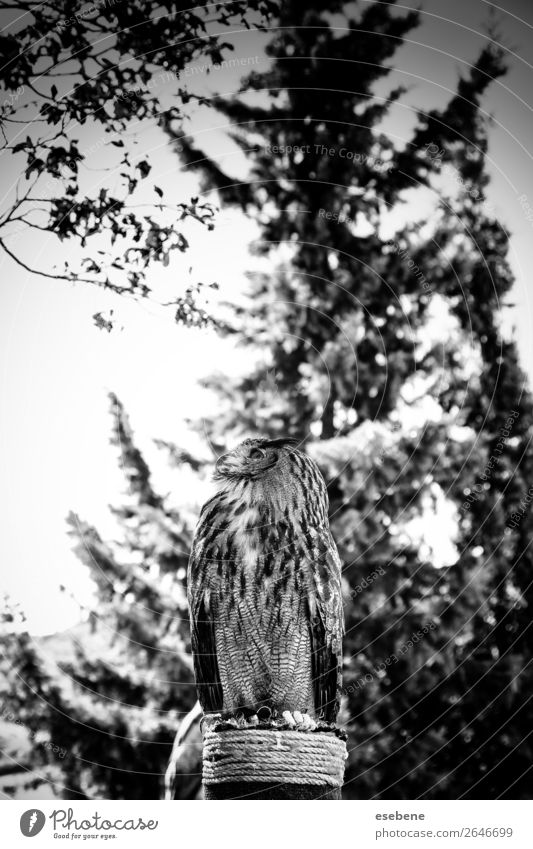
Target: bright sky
<point>56,367</point>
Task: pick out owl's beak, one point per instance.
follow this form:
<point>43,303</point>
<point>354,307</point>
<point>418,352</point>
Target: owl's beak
<point>222,460</point>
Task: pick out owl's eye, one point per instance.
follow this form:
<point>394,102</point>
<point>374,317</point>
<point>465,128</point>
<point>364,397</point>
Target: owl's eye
<point>256,454</point>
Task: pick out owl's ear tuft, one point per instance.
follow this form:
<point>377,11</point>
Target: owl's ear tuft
<point>280,442</point>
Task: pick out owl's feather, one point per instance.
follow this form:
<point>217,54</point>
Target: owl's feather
<point>264,587</point>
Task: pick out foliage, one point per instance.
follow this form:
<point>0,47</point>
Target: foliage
<point>27,689</point>
<point>385,355</point>
<point>121,689</point>
<point>68,71</point>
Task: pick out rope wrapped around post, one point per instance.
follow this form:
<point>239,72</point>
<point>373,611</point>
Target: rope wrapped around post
<point>272,761</point>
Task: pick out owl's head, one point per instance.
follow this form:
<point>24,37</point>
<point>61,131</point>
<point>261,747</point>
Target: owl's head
<point>253,458</point>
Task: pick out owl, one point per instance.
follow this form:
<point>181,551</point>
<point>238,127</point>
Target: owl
<point>264,590</point>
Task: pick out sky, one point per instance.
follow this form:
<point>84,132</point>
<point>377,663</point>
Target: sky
<point>56,367</point>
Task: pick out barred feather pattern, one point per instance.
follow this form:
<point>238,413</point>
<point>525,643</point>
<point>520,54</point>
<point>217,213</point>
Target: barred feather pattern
<point>264,587</point>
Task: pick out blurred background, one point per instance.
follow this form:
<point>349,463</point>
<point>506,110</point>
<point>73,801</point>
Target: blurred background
<point>252,219</point>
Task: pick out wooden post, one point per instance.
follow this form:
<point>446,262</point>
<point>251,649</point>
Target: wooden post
<point>264,790</point>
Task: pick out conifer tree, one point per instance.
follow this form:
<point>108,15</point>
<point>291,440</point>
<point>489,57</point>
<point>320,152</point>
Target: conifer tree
<point>115,699</point>
<point>485,703</point>
<point>384,354</point>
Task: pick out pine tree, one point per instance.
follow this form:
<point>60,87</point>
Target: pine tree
<point>486,703</point>
<point>385,355</point>
<point>115,699</point>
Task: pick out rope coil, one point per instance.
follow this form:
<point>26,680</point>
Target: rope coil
<point>270,755</point>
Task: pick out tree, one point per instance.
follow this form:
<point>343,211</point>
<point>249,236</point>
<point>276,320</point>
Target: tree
<point>485,703</point>
<point>122,681</point>
<point>99,71</point>
<point>29,751</point>
<point>384,353</point>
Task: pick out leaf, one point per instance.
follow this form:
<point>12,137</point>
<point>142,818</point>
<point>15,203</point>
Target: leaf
<point>144,167</point>
<point>91,265</point>
<point>159,191</point>
<point>102,323</point>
